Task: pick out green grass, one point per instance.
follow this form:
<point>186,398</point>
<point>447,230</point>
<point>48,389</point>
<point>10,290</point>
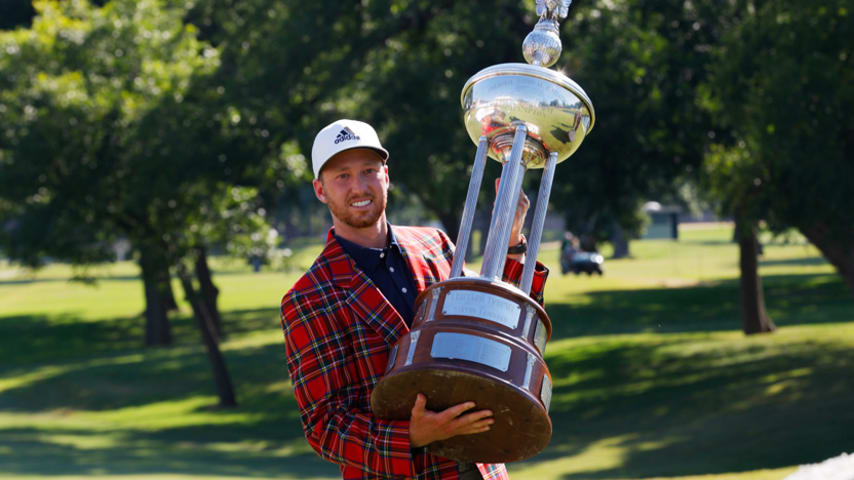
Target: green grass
<point>653,378</point>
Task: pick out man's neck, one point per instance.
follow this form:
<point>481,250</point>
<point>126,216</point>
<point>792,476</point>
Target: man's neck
<point>375,236</point>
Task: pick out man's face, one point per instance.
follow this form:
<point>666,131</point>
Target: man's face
<point>354,184</point>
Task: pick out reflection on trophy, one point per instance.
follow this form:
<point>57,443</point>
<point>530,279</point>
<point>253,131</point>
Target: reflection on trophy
<point>478,338</point>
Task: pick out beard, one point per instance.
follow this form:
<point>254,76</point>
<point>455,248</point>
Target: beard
<point>358,218</point>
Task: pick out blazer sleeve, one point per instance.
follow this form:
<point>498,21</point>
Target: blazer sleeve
<point>513,275</point>
<point>332,403</point>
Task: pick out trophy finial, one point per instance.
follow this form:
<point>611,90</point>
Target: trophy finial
<point>542,46</point>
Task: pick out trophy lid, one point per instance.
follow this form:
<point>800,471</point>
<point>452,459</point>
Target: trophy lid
<point>556,110</point>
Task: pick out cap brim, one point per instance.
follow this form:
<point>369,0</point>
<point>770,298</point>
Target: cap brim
<point>381,151</point>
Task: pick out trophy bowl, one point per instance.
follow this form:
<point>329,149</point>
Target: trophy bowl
<point>556,111</point>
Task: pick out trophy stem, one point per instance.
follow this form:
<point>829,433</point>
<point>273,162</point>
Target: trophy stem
<point>468,210</point>
<point>538,222</point>
<point>493,220</point>
<point>517,189</point>
<point>503,213</point>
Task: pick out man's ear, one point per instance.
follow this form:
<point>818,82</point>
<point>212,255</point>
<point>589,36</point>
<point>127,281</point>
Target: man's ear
<point>318,190</point>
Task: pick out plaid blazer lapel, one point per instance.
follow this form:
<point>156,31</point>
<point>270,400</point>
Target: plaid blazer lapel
<point>421,251</point>
<point>364,297</point>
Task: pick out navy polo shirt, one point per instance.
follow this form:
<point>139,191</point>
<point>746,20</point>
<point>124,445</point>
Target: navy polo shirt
<point>387,268</point>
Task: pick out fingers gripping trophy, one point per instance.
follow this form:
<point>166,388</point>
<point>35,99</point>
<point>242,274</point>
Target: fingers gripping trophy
<point>478,338</point>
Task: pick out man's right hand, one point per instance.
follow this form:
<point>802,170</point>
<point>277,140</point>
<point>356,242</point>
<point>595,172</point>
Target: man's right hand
<point>426,426</point>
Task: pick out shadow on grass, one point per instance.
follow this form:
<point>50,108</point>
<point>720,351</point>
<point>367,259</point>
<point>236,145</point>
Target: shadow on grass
<point>27,279</point>
<point>26,340</point>
<point>265,439</point>
<point>142,377</point>
<point>103,365</point>
<point>66,279</point>
<point>251,320</point>
<point>669,405</point>
<point>271,432</point>
<point>790,300</point>
<point>139,453</point>
<point>795,262</point>
<point>29,339</point>
<point>664,411</point>
<point>32,339</point>
<point>707,242</point>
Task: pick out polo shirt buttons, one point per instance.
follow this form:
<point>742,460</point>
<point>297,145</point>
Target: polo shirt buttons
<point>403,289</point>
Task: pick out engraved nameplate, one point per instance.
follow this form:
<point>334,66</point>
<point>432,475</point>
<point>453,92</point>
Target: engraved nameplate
<point>540,337</point>
<point>526,383</point>
<point>434,300</point>
<point>546,392</point>
<point>486,306</point>
<point>461,346</point>
<point>529,314</point>
<point>413,342</point>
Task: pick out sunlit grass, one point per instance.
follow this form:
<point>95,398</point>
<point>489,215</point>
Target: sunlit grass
<point>650,382</point>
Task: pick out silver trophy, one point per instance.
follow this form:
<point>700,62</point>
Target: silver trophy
<point>478,338</point>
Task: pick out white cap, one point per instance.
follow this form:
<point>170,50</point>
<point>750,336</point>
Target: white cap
<point>343,135</point>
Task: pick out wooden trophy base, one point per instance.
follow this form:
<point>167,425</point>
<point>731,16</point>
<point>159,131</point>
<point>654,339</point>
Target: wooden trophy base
<point>474,340</point>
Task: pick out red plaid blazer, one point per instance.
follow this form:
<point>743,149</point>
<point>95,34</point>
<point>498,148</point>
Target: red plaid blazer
<point>338,330</point>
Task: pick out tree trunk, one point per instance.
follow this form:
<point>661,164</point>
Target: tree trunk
<point>837,248</point>
<point>209,292</point>
<point>165,288</point>
<point>754,318</point>
<point>157,329</point>
<point>620,242</point>
<point>204,320</point>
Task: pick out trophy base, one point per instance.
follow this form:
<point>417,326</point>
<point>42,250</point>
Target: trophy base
<point>474,339</point>
<point>522,427</point>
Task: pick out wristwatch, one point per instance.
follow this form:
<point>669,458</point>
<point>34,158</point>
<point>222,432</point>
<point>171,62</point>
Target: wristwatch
<point>520,247</point>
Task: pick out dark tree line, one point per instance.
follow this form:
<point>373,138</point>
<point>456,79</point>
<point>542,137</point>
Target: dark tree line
<point>181,133</point>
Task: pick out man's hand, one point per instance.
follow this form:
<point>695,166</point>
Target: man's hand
<point>522,207</point>
<point>426,427</point>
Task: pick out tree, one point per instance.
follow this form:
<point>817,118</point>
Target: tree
<point>410,89</point>
<point>730,183</point>
<point>404,63</point>
<point>782,81</point>
<point>397,64</point>
<point>112,131</point>
<point>74,87</point>
<point>640,61</point>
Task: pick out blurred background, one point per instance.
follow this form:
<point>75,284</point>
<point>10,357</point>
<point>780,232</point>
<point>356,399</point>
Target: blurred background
<point>155,204</point>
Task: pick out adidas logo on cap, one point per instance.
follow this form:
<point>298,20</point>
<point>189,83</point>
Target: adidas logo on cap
<point>344,135</point>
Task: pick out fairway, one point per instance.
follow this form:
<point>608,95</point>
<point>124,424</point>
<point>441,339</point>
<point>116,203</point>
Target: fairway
<point>652,375</point>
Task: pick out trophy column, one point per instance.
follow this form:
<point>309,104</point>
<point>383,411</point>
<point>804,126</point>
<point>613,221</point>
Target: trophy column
<point>479,338</point>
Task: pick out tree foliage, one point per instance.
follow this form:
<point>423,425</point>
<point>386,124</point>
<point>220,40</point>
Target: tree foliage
<point>116,131</point>
<point>399,64</point>
<point>641,62</point>
<point>77,91</point>
<point>781,83</point>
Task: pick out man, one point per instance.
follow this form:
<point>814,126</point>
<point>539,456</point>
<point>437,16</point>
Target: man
<point>343,316</point>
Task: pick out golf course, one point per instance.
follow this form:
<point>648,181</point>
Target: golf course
<point>653,377</point>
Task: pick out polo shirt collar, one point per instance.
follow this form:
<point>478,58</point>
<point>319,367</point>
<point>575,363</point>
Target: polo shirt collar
<point>367,258</point>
